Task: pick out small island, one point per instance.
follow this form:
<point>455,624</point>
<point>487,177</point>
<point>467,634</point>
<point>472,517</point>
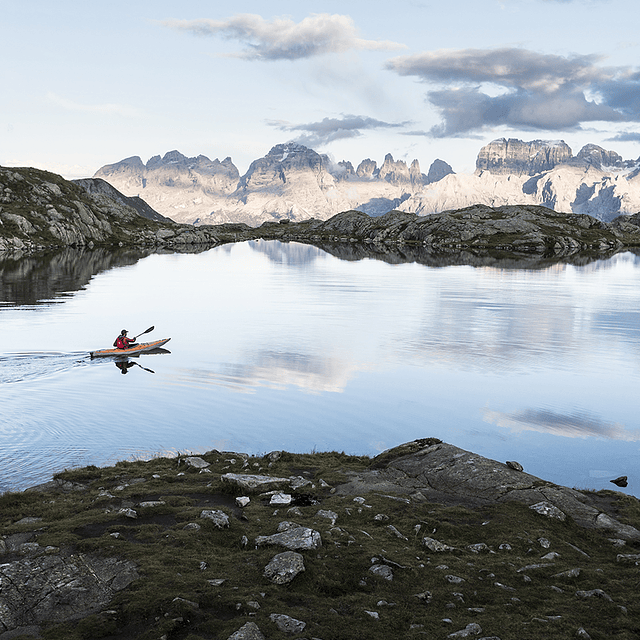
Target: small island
<point>423,540</point>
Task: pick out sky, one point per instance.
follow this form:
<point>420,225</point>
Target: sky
<point>85,84</point>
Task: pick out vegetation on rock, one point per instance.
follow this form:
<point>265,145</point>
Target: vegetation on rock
<point>383,565</point>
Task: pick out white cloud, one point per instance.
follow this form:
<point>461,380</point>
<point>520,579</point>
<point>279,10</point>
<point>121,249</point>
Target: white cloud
<point>282,38</point>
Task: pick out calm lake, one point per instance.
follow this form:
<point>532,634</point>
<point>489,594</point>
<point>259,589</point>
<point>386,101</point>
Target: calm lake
<point>284,346</point>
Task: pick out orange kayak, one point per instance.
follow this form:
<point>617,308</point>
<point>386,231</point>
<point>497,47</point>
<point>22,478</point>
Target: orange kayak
<point>135,349</point>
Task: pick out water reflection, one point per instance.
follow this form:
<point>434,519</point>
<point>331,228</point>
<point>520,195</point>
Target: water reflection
<point>578,424</point>
<point>36,279</point>
<point>282,346</point>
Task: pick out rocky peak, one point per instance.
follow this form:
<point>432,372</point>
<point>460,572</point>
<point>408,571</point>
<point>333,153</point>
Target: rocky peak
<point>598,157</point>
<point>394,171</point>
<point>343,170</point>
<point>438,170</point>
<point>367,169</point>
<point>516,157</point>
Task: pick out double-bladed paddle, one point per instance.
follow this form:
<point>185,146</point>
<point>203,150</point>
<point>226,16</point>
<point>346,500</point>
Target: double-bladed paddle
<point>147,331</point>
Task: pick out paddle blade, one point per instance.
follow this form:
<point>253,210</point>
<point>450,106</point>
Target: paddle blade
<point>147,331</point>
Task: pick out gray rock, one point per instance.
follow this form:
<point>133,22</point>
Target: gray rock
<point>249,631</point>
<point>280,499</point>
<point>581,634</point>
<point>548,510</point>
<point>514,465</point>
<point>594,593</point>
<point>330,515</point>
<point>472,629</point>
<point>196,463</point>
<point>284,567</point>
<point>293,538</point>
<point>250,482</point>
<point>628,558</point>
<point>436,545</point>
<point>382,571</point>
<point>219,518</point>
<point>287,624</point>
<point>58,588</point>
<point>569,573</point>
<point>243,501</point>
<point>394,532</point>
<point>447,474</point>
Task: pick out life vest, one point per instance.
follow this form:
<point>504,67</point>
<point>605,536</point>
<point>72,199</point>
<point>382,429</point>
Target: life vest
<point>121,343</point>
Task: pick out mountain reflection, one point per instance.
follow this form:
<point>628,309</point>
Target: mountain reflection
<point>33,280</point>
<point>37,279</point>
<point>296,253</point>
<point>569,425</point>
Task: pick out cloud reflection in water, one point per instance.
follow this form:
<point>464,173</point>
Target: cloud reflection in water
<point>571,425</point>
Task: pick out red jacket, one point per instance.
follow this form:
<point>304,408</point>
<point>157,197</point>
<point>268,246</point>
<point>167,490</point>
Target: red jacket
<point>122,342</point>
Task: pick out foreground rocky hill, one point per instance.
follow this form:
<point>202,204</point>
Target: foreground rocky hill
<point>292,181</point>
<point>425,540</point>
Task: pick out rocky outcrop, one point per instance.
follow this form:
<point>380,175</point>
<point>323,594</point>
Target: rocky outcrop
<point>99,187</point>
<point>40,210</point>
<point>478,230</point>
<point>434,471</point>
<point>515,157</point>
<point>46,585</point>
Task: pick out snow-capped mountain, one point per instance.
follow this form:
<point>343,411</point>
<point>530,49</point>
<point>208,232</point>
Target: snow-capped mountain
<point>295,182</point>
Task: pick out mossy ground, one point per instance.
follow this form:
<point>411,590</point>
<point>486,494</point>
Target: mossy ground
<point>336,590</point>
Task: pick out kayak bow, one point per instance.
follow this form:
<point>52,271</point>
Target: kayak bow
<point>137,348</point>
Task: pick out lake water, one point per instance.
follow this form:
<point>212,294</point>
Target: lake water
<point>284,346</point>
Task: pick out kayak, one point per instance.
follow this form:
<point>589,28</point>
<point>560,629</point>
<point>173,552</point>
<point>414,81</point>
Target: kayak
<point>142,347</point>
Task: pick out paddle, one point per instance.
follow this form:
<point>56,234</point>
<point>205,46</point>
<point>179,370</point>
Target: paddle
<point>147,331</point>
<point>145,368</point>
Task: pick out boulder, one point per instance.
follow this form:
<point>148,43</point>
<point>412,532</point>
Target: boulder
<point>58,588</point>
<point>284,567</point>
<point>292,537</point>
<point>444,473</point>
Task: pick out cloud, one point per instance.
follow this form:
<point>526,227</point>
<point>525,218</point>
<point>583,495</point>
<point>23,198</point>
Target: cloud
<point>316,134</point>
<point>572,425</point>
<point>474,89</point>
<point>626,137</point>
<point>109,108</point>
<point>282,38</point>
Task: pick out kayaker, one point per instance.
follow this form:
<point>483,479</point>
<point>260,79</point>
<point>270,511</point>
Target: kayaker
<point>122,341</point>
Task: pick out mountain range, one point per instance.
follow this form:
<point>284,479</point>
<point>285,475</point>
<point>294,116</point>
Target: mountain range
<point>297,183</point>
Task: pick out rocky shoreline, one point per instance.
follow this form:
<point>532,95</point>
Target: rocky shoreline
<point>41,212</point>
<point>424,540</point>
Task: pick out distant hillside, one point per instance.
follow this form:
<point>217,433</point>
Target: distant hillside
<point>297,183</point>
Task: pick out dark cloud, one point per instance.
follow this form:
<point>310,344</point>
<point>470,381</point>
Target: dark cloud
<point>329,129</point>
<point>283,39</point>
<point>476,89</point>
<point>626,137</point>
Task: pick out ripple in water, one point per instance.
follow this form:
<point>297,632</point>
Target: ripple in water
<point>21,367</point>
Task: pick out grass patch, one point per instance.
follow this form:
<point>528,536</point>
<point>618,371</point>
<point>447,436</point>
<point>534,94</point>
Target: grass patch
<point>502,584</point>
